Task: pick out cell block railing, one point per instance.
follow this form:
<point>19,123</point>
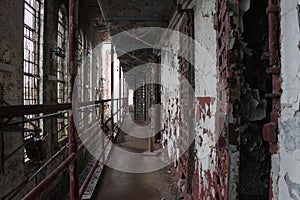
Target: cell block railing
<point>12,116</point>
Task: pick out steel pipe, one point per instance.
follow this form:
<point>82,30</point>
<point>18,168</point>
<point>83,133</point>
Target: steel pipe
<point>112,90</point>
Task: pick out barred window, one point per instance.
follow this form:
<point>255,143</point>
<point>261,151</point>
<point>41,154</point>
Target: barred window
<point>62,78</point>
<point>62,71</point>
<point>80,64</point>
<point>31,68</point>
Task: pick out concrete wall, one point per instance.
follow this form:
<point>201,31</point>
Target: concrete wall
<point>289,138</point>
<point>11,68</point>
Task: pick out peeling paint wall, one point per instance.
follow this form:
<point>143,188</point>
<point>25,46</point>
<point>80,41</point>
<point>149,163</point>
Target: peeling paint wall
<point>289,138</point>
<point>205,161</point>
<point>170,98</point>
<point>206,101</point>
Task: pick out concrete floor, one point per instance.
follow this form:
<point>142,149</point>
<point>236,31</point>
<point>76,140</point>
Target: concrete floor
<point>117,185</point>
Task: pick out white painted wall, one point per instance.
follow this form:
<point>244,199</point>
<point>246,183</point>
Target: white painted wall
<point>289,136</point>
<point>205,86</point>
<point>170,93</point>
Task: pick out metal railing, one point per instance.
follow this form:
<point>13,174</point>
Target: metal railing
<point>9,112</point>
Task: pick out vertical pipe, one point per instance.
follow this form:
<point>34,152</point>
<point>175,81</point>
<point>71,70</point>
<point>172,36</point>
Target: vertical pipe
<point>274,70</point>
<point>273,29</point>
<point>72,71</point>
<point>112,90</point>
<point>102,113</point>
<point>272,128</point>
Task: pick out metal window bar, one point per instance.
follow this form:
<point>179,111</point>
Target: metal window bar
<point>31,79</point>
<point>62,79</point>
<point>79,64</point>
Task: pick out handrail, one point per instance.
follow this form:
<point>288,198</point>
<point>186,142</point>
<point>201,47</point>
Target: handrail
<point>50,109</point>
<point>113,115</point>
<point>90,174</point>
<point>27,120</point>
<point>21,110</point>
<point>34,119</point>
<point>44,184</point>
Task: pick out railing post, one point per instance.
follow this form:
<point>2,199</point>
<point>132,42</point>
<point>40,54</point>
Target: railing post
<point>102,113</point>
<point>72,71</point>
<point>120,88</point>
<point>123,97</point>
<point>112,91</point>
<point>102,133</point>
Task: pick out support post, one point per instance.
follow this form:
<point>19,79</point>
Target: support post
<point>72,71</point>
<point>270,130</point>
<point>120,97</point>
<point>102,132</point>
<point>112,90</point>
<point>123,96</point>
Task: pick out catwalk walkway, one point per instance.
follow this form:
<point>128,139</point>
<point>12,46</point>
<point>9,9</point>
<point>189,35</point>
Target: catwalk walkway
<point>117,185</point>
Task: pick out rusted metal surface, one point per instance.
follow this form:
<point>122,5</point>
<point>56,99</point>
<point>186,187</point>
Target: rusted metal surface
<point>89,176</point>
<point>271,129</point>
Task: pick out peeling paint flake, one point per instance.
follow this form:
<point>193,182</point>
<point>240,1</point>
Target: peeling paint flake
<point>291,130</point>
